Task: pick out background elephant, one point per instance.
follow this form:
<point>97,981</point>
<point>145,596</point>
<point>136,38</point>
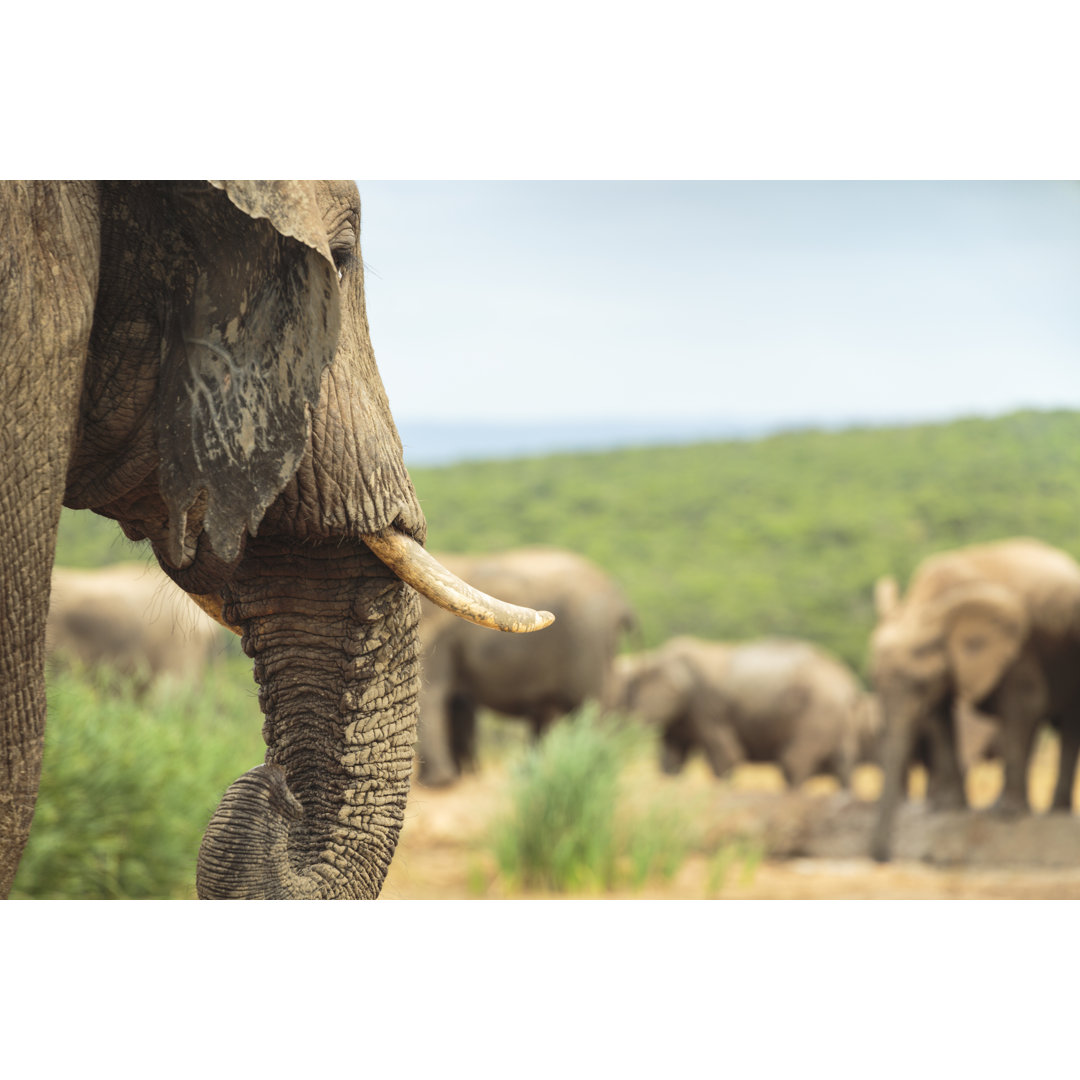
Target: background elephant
<point>993,627</point>
<point>131,619</point>
<point>976,735</point>
<point>776,700</point>
<point>192,359</point>
<point>466,667</point>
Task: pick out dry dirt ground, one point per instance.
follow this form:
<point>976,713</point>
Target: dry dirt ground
<point>759,842</point>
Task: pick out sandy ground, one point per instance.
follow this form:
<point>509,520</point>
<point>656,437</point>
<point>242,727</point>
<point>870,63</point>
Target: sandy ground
<point>443,852</point>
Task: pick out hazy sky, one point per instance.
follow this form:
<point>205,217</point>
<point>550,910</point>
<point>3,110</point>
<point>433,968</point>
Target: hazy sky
<point>776,300</point>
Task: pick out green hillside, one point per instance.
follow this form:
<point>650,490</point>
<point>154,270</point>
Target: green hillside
<point>782,535</point>
<point>733,540</point>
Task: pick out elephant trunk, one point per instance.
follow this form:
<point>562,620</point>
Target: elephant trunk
<point>897,746</point>
<point>332,633</point>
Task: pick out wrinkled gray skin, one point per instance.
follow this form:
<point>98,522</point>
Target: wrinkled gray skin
<point>775,700</point>
<point>131,619</point>
<point>540,679</point>
<point>993,628</point>
<point>193,360</point>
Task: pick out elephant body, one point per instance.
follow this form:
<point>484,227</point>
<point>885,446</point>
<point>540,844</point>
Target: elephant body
<point>539,679</point>
<point>773,700</point>
<point>192,359</point>
<point>133,620</point>
<point>992,632</point>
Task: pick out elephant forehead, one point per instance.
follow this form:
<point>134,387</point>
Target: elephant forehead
<point>887,638</point>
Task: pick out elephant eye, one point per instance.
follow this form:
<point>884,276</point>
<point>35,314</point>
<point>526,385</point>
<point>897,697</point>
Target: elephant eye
<point>344,260</point>
<point>927,648</point>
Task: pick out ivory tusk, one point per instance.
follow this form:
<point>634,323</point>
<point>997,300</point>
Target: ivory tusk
<point>212,604</point>
<point>428,576</point>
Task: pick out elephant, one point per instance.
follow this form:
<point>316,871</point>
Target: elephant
<point>991,631</point>
<point>130,618</point>
<point>774,699</point>
<point>192,359</point>
<point>465,667</point>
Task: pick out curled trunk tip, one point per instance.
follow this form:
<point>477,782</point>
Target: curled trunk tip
<point>247,838</point>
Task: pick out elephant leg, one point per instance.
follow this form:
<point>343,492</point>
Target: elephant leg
<point>463,733</point>
<point>721,748</point>
<point>843,769</point>
<point>1017,741</point>
<point>1021,704</point>
<point>1069,742</point>
<point>799,761</point>
<point>901,734</point>
<point>945,780</point>
<point>541,719</point>
<point>843,762</point>
<point>920,755</point>
<point>434,740</point>
<point>47,290</point>
<point>674,750</point>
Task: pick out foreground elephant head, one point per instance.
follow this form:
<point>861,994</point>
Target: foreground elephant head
<point>986,643</point>
<point>193,360</point>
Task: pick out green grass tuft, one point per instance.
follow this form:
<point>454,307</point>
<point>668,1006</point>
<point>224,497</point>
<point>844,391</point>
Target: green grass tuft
<point>567,830</point>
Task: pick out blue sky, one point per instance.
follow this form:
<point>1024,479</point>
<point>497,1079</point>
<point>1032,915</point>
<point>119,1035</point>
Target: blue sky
<point>784,301</point>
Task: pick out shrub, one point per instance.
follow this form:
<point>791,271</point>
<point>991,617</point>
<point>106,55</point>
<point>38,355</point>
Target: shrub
<point>565,831</point>
<point>128,786</point>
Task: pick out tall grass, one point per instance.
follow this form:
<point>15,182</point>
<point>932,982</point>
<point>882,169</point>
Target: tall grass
<point>128,784</point>
<point>568,830</point>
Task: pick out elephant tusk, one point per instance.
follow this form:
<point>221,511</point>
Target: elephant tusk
<point>428,576</point>
<point>212,604</point>
<point>421,570</point>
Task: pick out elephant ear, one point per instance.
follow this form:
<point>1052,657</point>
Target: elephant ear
<point>985,628</point>
<point>253,324</point>
<point>886,597</point>
<point>663,686</point>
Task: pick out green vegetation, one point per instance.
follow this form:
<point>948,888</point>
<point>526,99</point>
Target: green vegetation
<point>785,535</point>
<point>743,853</point>
<point>566,831</point>
<point>724,540</point>
<point>128,786</point>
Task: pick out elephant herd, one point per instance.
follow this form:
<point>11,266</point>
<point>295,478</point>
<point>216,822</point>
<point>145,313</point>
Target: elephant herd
<point>983,649</point>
